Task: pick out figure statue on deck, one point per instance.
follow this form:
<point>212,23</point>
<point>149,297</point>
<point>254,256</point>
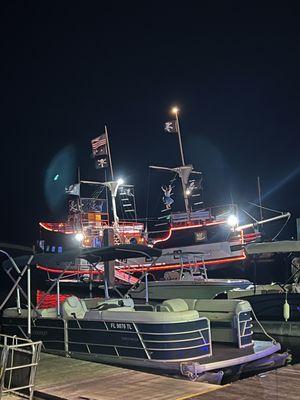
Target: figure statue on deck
<point>167,199</point>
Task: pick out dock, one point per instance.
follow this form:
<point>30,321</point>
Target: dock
<point>279,384</point>
<point>61,378</point>
<point>68,378</point>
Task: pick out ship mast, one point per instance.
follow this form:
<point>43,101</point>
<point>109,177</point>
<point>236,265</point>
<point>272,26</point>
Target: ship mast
<point>184,170</point>
<point>109,154</point>
<point>175,111</point>
<point>112,185</point>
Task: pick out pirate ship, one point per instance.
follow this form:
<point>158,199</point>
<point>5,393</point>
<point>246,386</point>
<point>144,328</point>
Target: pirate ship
<point>195,237</point>
<point>92,208</point>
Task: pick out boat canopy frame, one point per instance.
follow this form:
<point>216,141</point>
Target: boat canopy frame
<point>22,265</point>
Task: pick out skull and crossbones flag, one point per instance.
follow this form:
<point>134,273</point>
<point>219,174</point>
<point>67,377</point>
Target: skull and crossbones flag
<point>101,162</point>
<point>171,126</point>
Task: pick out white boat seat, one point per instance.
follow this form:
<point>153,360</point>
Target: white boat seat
<point>105,304</point>
<point>125,314</point>
<point>92,302</point>
<point>44,313</point>
<point>48,312</point>
<point>12,312</point>
<point>73,307</point>
<point>174,305</point>
<point>217,310</point>
<point>148,317</point>
<point>122,309</point>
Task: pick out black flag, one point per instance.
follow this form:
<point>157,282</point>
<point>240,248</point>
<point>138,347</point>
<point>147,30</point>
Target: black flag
<point>171,126</point>
<point>101,162</point>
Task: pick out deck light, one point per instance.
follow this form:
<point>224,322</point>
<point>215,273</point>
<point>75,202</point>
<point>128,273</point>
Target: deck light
<point>232,220</point>
<point>79,236</point>
<point>120,181</point>
<point>175,110</point>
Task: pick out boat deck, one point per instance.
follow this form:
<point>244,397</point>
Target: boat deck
<point>227,355</point>
<point>224,351</point>
<point>68,378</point>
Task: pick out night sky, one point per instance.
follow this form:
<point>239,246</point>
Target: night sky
<point>68,68</point>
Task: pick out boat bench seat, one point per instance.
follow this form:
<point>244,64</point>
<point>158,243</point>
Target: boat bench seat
<point>223,315</point>
<point>12,312</point>
<point>105,304</point>
<point>219,310</point>
<point>48,312</point>
<point>44,313</point>
<point>121,309</point>
<point>125,314</point>
<point>93,302</point>
<point>96,303</point>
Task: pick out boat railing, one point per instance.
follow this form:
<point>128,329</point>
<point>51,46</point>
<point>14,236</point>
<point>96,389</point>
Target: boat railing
<point>194,263</point>
<point>218,213</point>
<point>244,329</point>
<point>19,361</point>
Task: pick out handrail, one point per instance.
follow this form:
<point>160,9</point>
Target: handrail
<point>10,346</point>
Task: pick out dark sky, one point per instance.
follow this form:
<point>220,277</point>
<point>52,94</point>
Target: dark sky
<point>70,67</point>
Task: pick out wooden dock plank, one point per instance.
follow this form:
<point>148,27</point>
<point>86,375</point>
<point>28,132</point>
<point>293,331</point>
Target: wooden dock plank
<point>72,379</point>
<point>282,384</point>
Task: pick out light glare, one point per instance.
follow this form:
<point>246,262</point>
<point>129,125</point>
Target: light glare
<point>79,236</point>
<point>232,220</point>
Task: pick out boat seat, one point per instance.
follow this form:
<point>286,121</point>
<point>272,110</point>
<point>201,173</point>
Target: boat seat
<point>12,312</point>
<point>122,309</point>
<point>145,317</point>
<point>144,307</point>
<point>73,307</point>
<point>48,312</point>
<point>225,322</point>
<point>216,310</point>
<point>107,304</point>
<point>174,305</point>
<point>92,302</point>
<point>128,314</point>
<point>191,303</point>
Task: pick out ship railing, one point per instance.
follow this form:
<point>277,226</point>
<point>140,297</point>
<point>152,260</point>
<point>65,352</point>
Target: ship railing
<point>215,213</point>
<point>93,228</point>
<point>86,221</point>
<point>130,227</point>
<point>19,361</point>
